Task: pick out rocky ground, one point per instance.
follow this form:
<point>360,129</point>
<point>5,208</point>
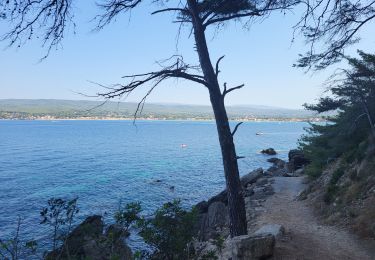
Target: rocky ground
<point>280,226</point>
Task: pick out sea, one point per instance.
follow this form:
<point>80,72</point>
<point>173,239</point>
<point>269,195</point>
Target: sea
<point>106,163</point>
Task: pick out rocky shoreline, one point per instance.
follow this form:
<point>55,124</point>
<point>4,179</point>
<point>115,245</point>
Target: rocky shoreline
<point>213,224</point>
<point>92,240</point>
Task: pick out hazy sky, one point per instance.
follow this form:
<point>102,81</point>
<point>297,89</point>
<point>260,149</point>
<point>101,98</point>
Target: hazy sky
<point>261,57</point>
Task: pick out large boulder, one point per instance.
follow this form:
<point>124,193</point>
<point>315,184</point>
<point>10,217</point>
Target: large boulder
<point>217,215</point>
<point>252,247</point>
<point>272,229</point>
<point>87,241</point>
<point>212,223</point>
<point>297,160</point>
<point>269,151</point>
<point>251,177</point>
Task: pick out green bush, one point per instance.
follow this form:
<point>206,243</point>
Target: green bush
<point>127,215</point>
<point>169,232</point>
<point>332,188</point>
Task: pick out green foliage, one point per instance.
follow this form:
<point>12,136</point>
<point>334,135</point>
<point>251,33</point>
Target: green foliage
<point>333,188</point>
<point>345,134</point>
<point>170,231</point>
<point>59,214</point>
<point>210,255</point>
<point>219,243</point>
<point>15,248</point>
<point>226,7</point>
<point>127,215</point>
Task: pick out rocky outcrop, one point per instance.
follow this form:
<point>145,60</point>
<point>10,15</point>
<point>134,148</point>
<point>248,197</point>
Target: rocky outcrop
<point>213,214</point>
<point>279,168</point>
<point>275,230</point>
<point>297,160</point>
<point>89,241</point>
<point>252,247</point>
<point>269,151</point>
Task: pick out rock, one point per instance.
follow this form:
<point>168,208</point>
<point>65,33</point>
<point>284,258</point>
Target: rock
<point>221,197</point>
<point>299,172</point>
<point>269,151</point>
<point>273,160</point>
<point>277,162</point>
<point>248,192</point>
<point>251,247</point>
<point>212,223</point>
<point>202,206</point>
<point>87,241</point>
<point>115,231</point>
<point>273,229</point>
<point>276,171</point>
<point>217,215</point>
<point>297,160</point>
<point>287,174</point>
<point>251,177</point>
<point>261,181</point>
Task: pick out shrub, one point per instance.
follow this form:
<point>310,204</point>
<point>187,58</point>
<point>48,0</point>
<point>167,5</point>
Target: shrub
<point>59,214</point>
<point>170,231</point>
<point>127,215</point>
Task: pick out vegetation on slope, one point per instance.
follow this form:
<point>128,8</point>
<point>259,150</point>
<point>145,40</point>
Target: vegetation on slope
<point>343,150</point>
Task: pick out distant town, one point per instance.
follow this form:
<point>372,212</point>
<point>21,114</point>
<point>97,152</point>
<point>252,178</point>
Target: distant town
<point>13,109</point>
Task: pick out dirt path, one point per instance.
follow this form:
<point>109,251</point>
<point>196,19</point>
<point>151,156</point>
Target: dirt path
<point>305,237</point>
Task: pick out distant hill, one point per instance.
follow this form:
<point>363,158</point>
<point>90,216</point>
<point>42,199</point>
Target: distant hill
<point>70,109</point>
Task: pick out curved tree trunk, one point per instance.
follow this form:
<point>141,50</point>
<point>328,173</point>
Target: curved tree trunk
<point>236,204</point>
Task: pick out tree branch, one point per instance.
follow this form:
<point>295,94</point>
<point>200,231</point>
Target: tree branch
<point>177,70</point>
<point>217,65</point>
<point>112,8</point>
<point>182,10</point>
<point>226,91</point>
<point>236,127</point>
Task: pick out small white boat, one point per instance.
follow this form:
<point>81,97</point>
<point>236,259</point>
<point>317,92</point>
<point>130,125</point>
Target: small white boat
<point>183,145</point>
<point>259,133</point>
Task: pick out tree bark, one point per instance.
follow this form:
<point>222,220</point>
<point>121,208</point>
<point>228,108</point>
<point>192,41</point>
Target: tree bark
<point>236,204</point>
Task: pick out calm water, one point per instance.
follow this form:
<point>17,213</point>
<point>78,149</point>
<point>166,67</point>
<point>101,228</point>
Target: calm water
<point>103,162</point>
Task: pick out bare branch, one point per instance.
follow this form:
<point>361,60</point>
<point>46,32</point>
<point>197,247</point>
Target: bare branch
<point>226,91</point>
<point>217,65</point>
<point>25,17</point>
<point>236,127</point>
<point>178,69</point>
<point>182,10</point>
<point>333,24</point>
<point>112,8</point>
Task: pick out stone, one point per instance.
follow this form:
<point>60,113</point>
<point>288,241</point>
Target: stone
<point>273,160</point>
<point>297,159</point>
<point>221,197</point>
<point>202,206</point>
<point>269,151</point>
<point>299,172</point>
<point>217,215</point>
<point>251,177</point>
<point>261,181</point>
<point>251,247</point>
<point>87,241</point>
<point>273,229</point>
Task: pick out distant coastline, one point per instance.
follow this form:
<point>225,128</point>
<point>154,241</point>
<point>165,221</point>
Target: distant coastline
<point>49,118</point>
<point>48,109</point>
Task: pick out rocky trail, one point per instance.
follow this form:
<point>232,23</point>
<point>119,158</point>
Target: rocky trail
<point>304,237</point>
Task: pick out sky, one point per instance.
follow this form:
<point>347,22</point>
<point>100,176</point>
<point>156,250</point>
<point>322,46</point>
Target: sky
<point>261,57</point>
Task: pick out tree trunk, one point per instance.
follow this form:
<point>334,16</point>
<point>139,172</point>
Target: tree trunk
<point>236,204</point>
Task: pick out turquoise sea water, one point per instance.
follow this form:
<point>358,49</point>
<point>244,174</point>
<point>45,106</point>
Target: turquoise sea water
<point>103,162</point>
